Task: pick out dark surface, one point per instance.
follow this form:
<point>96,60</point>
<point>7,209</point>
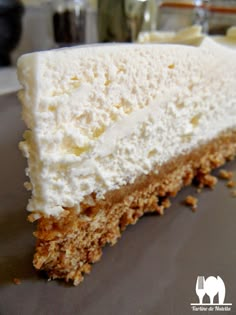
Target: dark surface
<point>151,270</point>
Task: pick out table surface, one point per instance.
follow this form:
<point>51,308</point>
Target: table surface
<point>151,270</point>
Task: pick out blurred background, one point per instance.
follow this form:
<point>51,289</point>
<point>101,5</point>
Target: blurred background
<point>33,25</point>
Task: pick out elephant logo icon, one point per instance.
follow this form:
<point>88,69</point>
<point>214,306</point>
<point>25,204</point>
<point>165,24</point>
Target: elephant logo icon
<point>212,287</point>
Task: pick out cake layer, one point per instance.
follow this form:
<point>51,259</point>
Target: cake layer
<point>68,245</point>
<point>100,117</point>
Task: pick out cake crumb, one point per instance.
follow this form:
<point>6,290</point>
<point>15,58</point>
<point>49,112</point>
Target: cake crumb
<point>160,210</point>
<point>17,281</point>
<point>209,181</point>
<point>192,202</point>
<point>231,184</point>
<point>166,203</point>
<point>171,66</point>
<point>234,193</point>
<point>223,174</point>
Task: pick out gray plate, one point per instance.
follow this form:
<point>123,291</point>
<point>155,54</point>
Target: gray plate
<point>152,269</point>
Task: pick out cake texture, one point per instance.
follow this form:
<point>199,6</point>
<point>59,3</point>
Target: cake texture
<point>112,132</point>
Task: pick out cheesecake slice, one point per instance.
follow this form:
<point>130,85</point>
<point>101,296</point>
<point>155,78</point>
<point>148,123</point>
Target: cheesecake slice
<point>112,132</point>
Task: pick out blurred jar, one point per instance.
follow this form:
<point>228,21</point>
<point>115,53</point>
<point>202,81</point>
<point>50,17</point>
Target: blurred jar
<point>37,28</point>
<point>222,15</point>
<point>91,22</point>
<point>11,12</point>
<point>120,21</point>
<point>112,24</point>
<point>135,13</point>
<point>175,15</point>
<point>69,22</point>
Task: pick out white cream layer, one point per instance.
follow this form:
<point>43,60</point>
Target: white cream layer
<point>101,116</point>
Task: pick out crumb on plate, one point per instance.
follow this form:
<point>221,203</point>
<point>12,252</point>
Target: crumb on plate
<point>208,180</point>
<point>234,193</point>
<point>17,281</point>
<point>191,201</point>
<point>231,184</point>
<point>223,174</point>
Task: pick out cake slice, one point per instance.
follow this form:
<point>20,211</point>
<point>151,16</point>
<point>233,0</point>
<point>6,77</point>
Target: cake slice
<point>191,35</point>
<point>112,132</point>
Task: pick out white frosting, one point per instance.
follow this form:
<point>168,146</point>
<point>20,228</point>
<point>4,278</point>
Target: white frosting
<point>101,116</point>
